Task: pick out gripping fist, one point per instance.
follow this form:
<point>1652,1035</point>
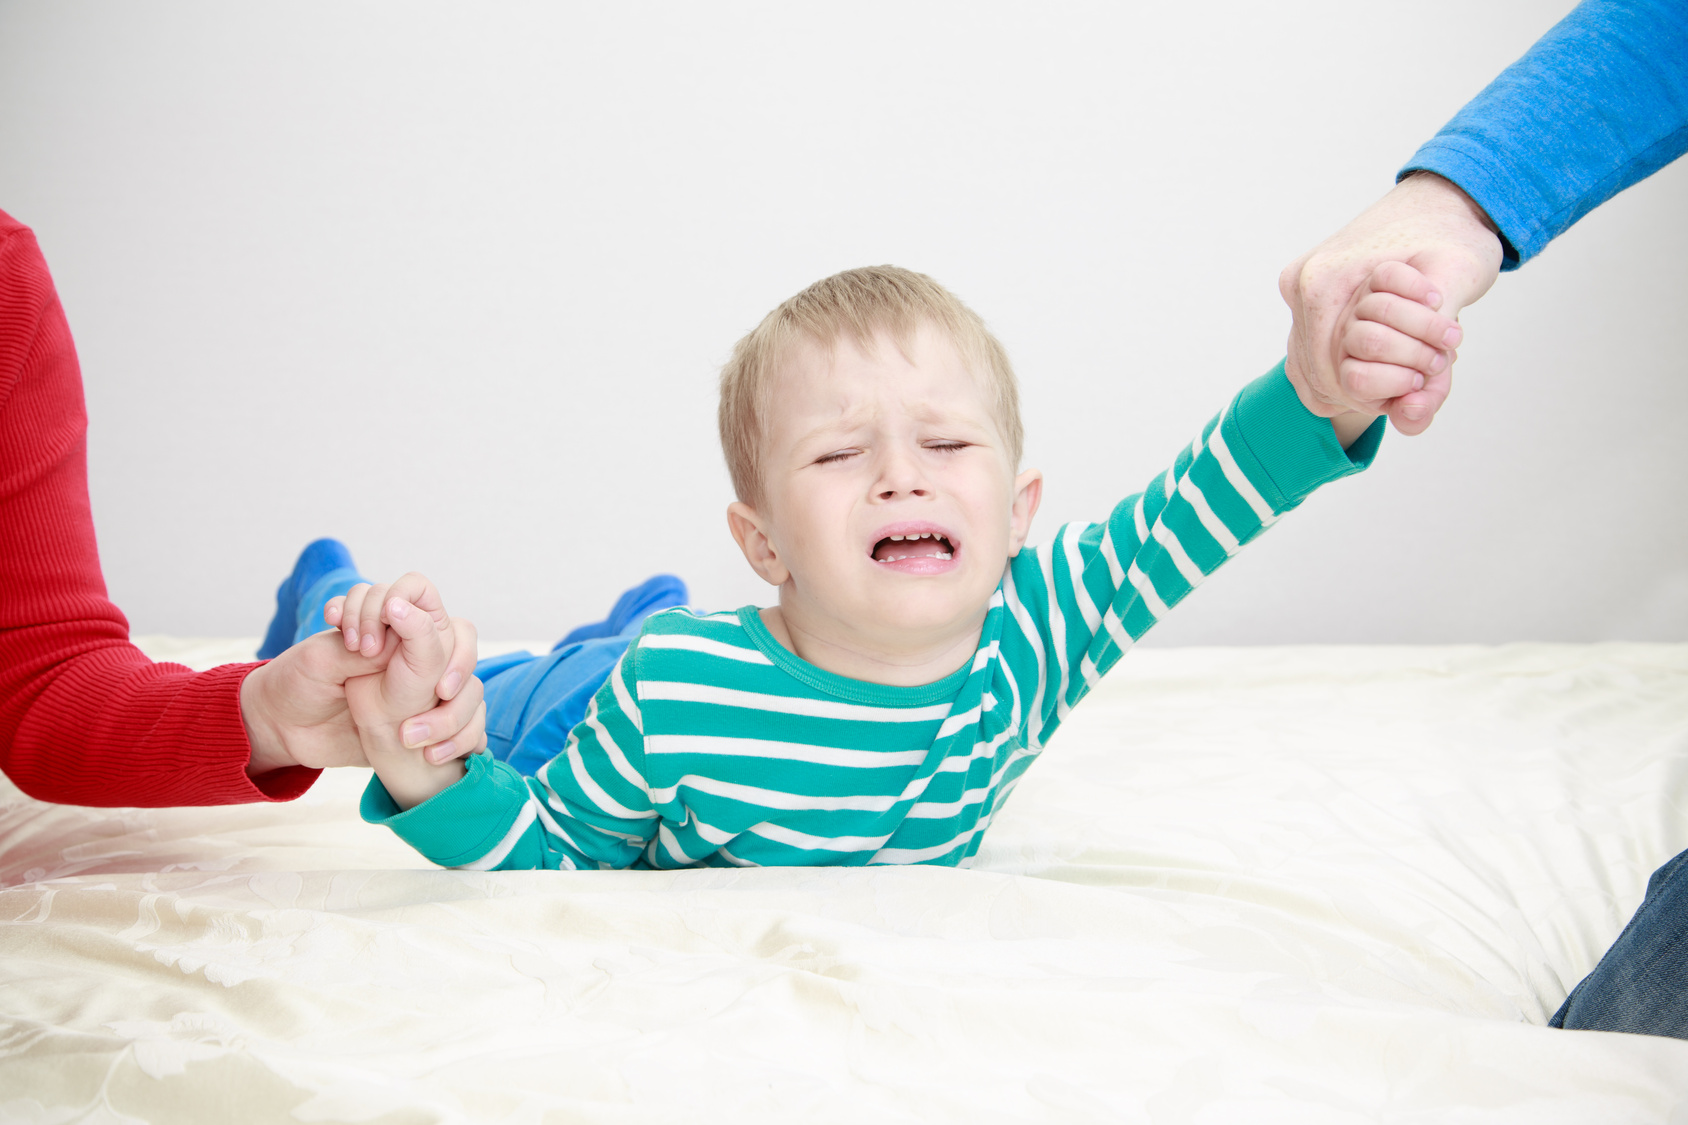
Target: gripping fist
<point>418,639</point>
<point>1425,223</point>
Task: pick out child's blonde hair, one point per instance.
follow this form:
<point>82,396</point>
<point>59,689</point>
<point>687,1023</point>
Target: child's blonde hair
<point>861,303</point>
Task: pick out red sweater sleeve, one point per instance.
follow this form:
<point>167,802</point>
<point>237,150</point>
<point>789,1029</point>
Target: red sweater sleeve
<point>85,717</point>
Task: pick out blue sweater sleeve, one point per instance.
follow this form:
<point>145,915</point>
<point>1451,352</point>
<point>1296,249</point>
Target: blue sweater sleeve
<point>1599,103</point>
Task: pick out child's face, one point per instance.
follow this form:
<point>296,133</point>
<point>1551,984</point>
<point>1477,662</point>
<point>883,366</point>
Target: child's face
<point>861,448</point>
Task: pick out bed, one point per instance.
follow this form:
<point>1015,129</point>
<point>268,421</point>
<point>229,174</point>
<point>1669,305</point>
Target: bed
<point>1309,884</point>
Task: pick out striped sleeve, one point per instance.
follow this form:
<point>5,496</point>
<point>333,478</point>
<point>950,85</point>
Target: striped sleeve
<point>1078,603</point>
<point>588,808</point>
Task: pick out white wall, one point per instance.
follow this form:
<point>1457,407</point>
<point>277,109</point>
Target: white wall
<point>452,282</point>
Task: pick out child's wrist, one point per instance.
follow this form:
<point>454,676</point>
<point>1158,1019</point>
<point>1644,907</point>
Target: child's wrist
<point>410,778</point>
<point>414,791</point>
<point>1350,426</point>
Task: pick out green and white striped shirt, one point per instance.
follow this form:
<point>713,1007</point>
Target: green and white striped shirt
<point>710,743</point>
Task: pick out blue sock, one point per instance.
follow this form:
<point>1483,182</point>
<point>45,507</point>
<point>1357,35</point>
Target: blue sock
<point>634,605</point>
<point>324,570</point>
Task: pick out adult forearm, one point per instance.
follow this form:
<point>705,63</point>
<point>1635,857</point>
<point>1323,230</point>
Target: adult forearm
<point>85,717</point>
<point>1597,104</point>
<point>110,727</point>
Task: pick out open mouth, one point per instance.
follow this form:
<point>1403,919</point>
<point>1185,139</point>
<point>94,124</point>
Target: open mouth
<point>914,545</point>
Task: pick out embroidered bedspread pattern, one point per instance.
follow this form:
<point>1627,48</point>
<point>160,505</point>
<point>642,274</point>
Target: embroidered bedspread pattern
<point>1321,885</point>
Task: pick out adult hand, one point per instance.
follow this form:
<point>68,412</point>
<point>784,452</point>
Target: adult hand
<point>1429,224</point>
<point>295,708</point>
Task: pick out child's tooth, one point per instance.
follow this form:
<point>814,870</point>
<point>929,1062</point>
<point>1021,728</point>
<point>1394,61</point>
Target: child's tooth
<point>896,538</point>
<point>943,554</point>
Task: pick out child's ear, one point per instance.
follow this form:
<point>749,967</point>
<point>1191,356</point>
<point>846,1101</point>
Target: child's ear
<point>748,531</point>
<point>1028,494</point>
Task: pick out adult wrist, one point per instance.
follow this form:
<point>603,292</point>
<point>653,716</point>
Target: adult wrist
<point>1452,200</point>
<point>1448,236</point>
<point>268,750</point>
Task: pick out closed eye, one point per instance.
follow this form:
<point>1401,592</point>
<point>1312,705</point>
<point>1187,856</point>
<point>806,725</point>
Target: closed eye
<point>836,455</point>
<point>947,446</point>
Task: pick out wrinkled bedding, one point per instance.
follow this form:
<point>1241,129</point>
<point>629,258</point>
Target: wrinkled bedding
<point>1242,885</point>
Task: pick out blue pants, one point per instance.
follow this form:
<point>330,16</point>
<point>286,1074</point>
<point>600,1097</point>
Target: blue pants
<point>532,702</point>
<point>1641,985</point>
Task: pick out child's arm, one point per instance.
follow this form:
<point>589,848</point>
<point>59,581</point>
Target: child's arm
<point>591,806</point>
<point>1077,604</point>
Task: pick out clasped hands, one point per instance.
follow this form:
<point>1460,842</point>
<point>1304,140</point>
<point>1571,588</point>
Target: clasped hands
<point>1340,359</point>
<point>311,705</point>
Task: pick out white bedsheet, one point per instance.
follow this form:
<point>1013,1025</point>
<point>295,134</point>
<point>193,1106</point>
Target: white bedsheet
<point>1242,885</point>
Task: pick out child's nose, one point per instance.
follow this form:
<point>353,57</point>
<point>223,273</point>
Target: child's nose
<point>900,475</point>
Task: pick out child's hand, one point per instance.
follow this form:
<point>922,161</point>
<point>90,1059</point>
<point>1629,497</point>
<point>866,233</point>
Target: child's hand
<point>1389,342</point>
<point>419,646</point>
<point>452,728</point>
<point>359,613</point>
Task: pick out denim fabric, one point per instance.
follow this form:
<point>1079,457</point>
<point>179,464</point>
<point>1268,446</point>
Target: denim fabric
<point>1641,985</point>
<point>1599,103</point>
